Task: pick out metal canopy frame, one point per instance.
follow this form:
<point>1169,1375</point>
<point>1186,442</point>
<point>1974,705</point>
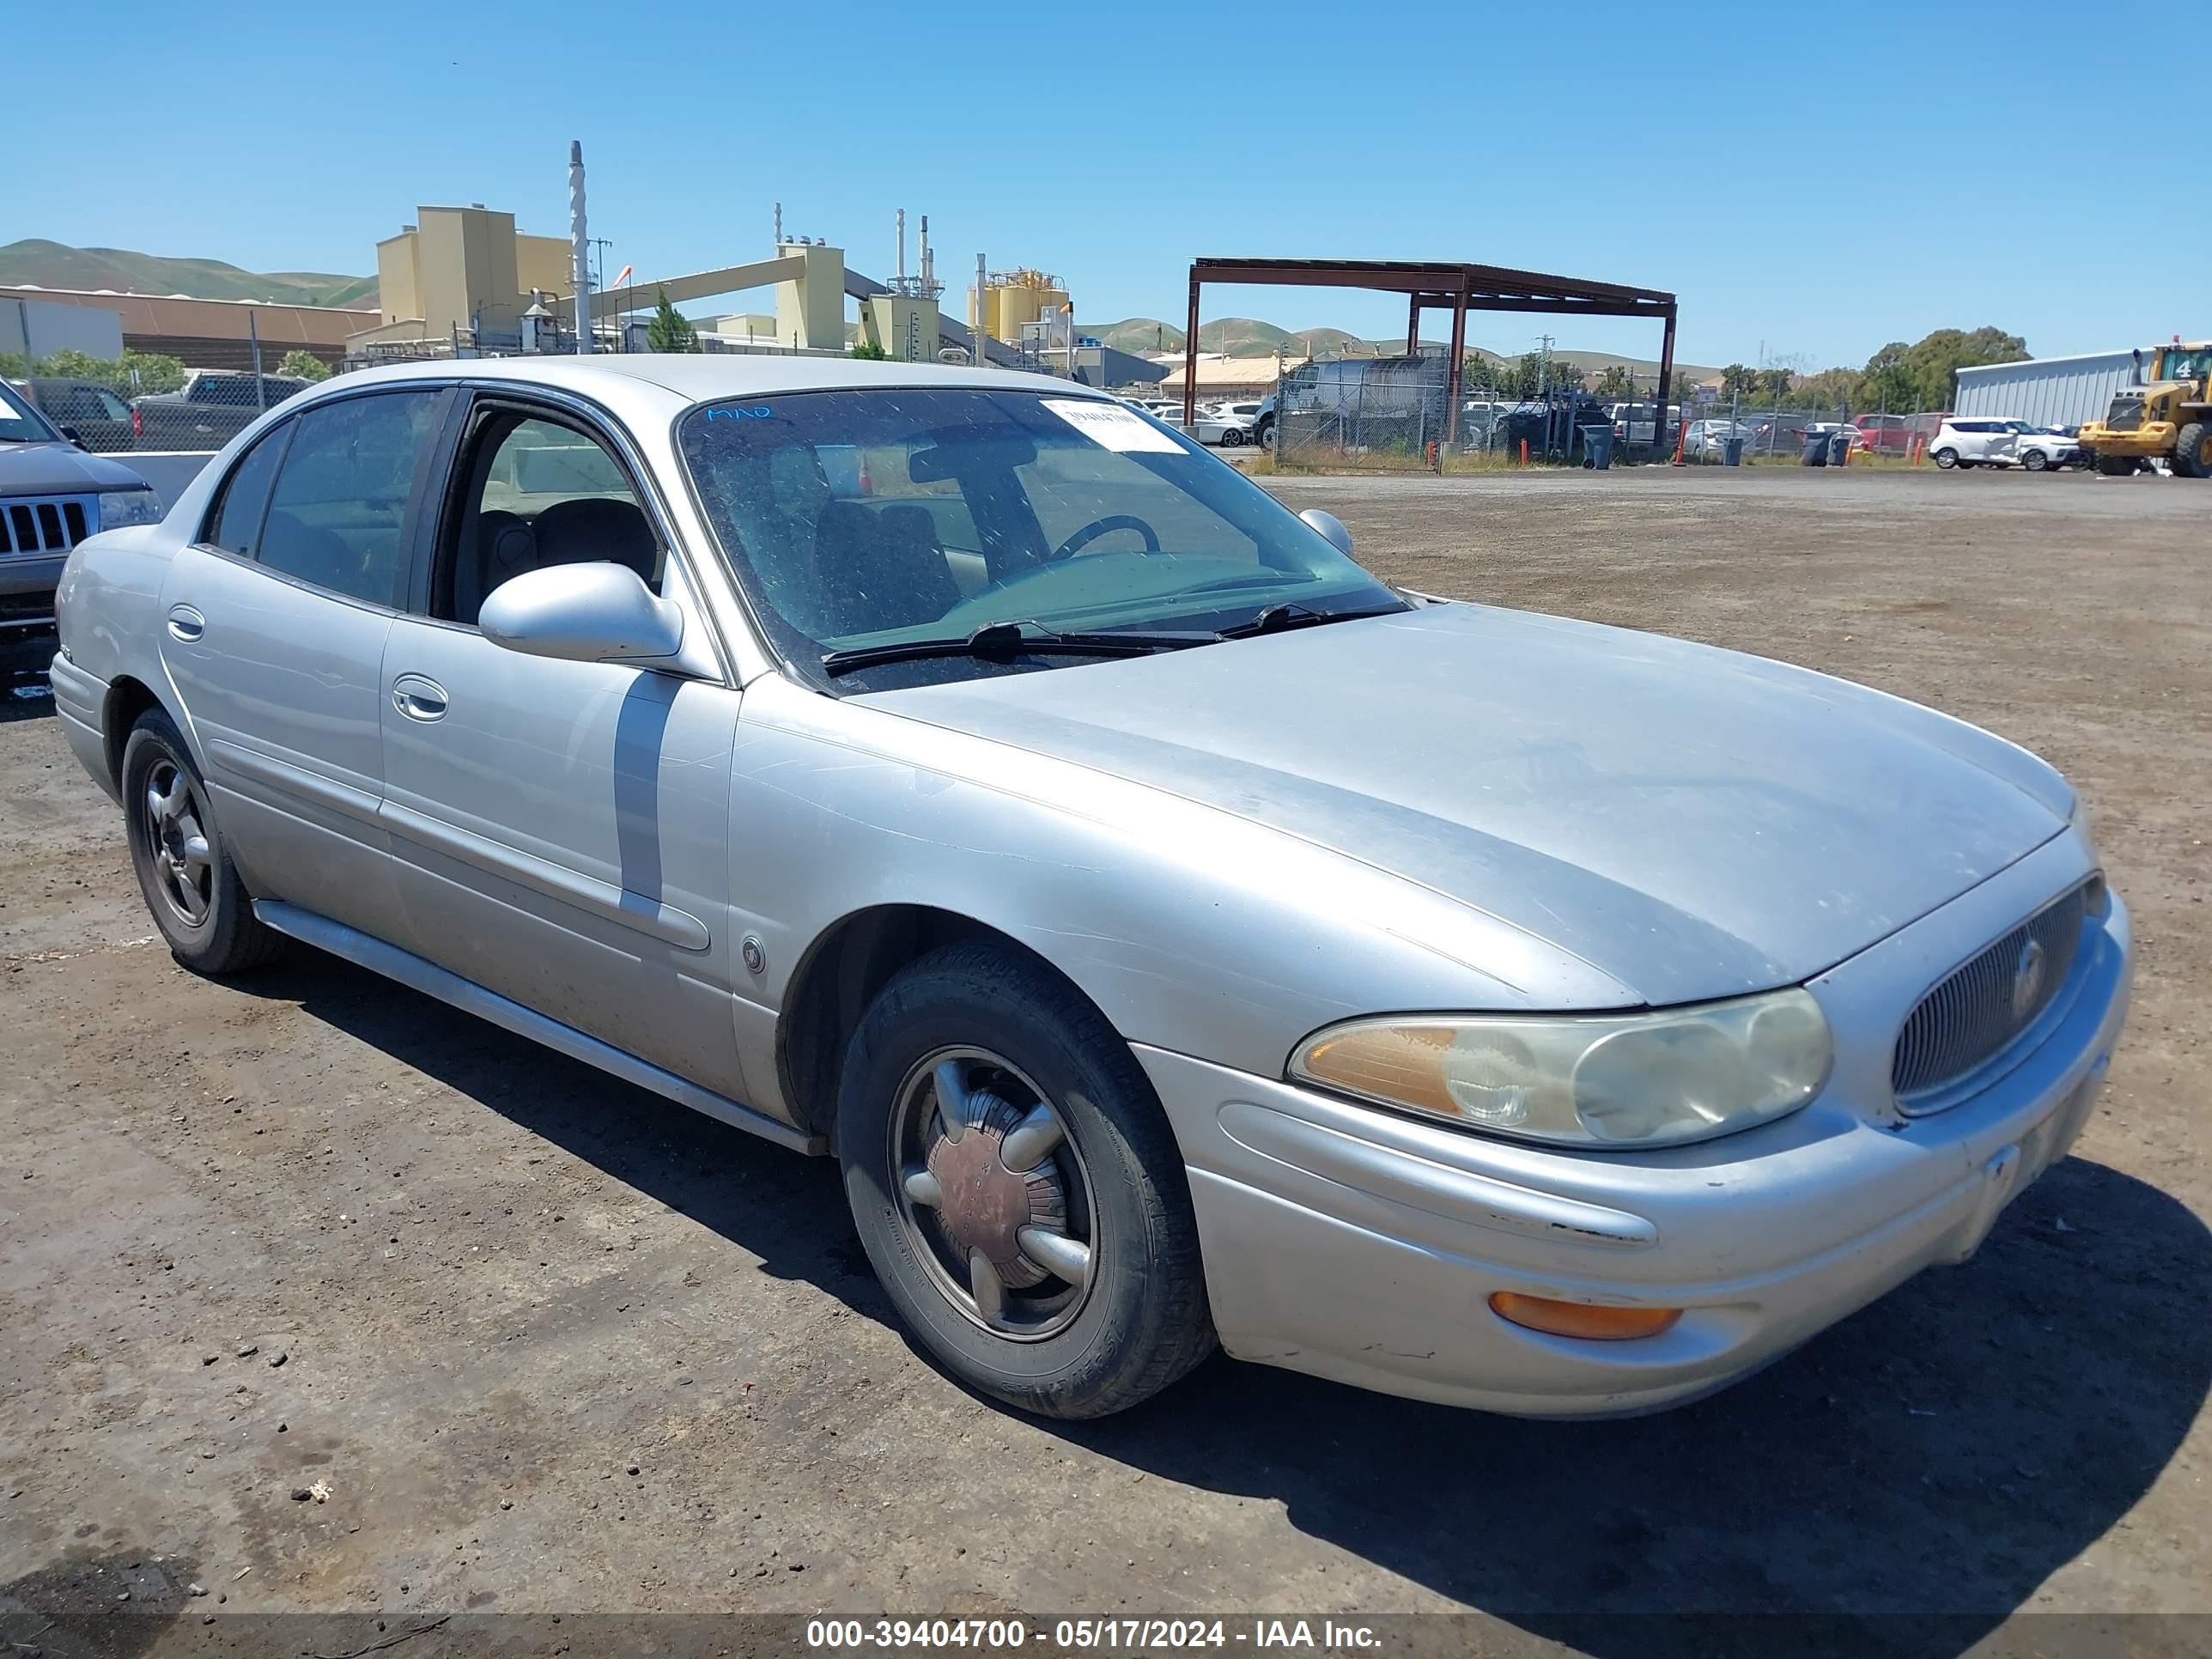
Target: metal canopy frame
<point>1458,288</point>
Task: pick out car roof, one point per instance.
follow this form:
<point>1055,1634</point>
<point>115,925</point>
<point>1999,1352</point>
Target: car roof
<point>701,377</point>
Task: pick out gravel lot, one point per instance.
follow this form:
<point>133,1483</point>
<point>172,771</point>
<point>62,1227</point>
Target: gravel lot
<point>550,1344</point>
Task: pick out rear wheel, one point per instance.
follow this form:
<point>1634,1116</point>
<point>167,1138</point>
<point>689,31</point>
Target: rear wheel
<point>1232,439</point>
<point>2192,451</point>
<point>1946,459</point>
<point>189,884</point>
<point>1018,1188</point>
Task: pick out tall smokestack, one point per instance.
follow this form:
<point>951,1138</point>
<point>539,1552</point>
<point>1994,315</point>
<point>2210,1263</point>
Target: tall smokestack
<point>901,235</point>
<point>982,356</point>
<point>580,245</point>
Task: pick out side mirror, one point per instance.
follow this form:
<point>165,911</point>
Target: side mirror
<point>1331,528</point>
<point>69,433</point>
<point>582,613</point>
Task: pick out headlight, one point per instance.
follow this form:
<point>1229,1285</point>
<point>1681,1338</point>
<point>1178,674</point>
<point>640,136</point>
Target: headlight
<point>1645,1079</point>
<point>120,509</point>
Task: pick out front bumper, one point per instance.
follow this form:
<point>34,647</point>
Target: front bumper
<point>1363,1246</point>
<point>2151,438</point>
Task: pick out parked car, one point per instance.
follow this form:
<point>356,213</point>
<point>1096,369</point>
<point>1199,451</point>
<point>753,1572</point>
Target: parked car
<point>1176,933</point>
<point>213,407</point>
<point>1705,440</point>
<point>1966,440</point>
<point>1228,425</point>
<point>1636,423</point>
<point>89,414</point>
<point>52,496</point>
<point>1884,434</point>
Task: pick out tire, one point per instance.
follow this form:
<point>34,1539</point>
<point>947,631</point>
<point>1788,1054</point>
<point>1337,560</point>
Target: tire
<point>2036,461</point>
<point>1232,439</point>
<point>1268,437</point>
<point>2192,451</point>
<point>185,871</point>
<point>1946,459</point>
<point>1127,1322</point>
<point>2116,466</point>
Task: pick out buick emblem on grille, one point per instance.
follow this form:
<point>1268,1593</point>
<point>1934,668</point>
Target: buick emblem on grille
<point>2028,979</point>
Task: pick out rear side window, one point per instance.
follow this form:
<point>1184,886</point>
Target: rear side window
<point>339,509</point>
<point>237,521</point>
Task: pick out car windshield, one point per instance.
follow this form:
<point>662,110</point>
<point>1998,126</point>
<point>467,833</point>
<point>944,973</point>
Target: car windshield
<point>2188,365</point>
<point>19,422</point>
<point>873,517</point>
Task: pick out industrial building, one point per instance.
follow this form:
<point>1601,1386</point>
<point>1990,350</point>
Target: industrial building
<point>462,269</point>
<point>1010,303</point>
<point>199,333</point>
<point>2048,392</point>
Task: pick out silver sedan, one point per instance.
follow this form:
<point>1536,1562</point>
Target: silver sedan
<point>1180,937</point>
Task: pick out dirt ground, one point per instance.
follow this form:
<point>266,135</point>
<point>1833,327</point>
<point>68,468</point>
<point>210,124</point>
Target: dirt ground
<point>530,1341</point>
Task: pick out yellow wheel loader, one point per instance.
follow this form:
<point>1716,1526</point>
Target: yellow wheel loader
<point>2167,416</point>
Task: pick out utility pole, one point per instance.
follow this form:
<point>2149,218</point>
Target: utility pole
<point>1544,367</point>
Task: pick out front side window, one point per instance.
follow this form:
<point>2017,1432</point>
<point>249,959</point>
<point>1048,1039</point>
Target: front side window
<point>876,517</point>
<point>19,423</point>
<point>235,527</point>
<point>532,492</point>
<point>339,509</point>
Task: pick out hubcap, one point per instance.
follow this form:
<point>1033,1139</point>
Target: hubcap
<point>178,843</point>
<point>993,1193</point>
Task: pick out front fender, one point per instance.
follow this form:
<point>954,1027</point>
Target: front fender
<point>1191,929</point>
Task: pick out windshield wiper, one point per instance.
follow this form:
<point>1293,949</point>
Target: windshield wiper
<point>1289,613</point>
<point>1003,641</point>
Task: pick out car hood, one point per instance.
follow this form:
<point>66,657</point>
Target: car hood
<point>46,469</point>
<point>1693,822</point>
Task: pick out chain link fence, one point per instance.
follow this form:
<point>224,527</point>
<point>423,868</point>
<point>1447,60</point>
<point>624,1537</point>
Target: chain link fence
<point>126,407</point>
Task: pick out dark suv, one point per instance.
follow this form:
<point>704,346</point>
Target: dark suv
<point>52,496</point>
<point>215,406</point>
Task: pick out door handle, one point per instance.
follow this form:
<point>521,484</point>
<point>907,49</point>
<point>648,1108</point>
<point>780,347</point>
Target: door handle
<point>419,698</point>
<point>185,623</point>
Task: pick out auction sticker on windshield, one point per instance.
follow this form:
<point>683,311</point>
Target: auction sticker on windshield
<point>1112,426</point>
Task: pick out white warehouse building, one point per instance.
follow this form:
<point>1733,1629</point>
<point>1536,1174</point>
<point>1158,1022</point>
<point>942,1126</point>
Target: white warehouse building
<point>2048,392</point>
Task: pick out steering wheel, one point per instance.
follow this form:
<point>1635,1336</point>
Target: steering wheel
<point>1098,527</point>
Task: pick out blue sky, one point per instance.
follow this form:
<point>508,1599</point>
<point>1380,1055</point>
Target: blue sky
<point>1818,179</point>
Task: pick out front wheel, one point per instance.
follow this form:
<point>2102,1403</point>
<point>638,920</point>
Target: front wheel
<point>1018,1188</point>
<point>2035,461</point>
<point>191,885</point>
<point>1946,459</point>
<point>2192,451</point>
<point>2116,466</point>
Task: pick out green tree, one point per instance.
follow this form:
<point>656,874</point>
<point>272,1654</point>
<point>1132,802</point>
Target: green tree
<point>1616,384</point>
<point>132,374</point>
<point>1888,381</point>
<point>668,331</point>
<point>1935,362</point>
<point>14,366</point>
<point>303,366</point>
<point>1739,381</point>
<point>1832,388</point>
<point>1773,385</point>
<point>868,351</point>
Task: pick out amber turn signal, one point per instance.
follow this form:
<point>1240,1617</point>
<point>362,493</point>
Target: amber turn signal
<point>1583,1319</point>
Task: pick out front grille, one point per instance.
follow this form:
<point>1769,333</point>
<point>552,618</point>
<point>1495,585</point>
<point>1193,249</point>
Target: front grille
<point>44,524</point>
<point>1983,1005</point>
<point>2126,415</point>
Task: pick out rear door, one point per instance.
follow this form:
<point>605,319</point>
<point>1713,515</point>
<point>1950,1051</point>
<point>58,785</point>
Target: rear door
<point>559,830</point>
<point>274,627</point>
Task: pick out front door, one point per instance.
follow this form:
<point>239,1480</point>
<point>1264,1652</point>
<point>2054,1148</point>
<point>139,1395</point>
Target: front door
<point>273,627</point>
<point>559,830</point>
